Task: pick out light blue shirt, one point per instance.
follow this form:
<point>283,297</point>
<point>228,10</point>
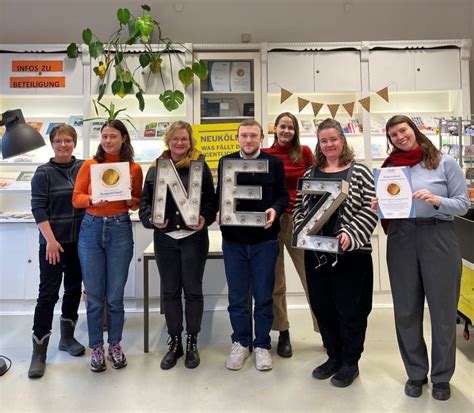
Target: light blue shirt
<point>446,181</point>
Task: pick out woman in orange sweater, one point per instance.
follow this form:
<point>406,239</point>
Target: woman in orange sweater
<point>106,245</point>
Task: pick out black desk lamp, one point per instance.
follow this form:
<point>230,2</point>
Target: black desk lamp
<point>18,137</point>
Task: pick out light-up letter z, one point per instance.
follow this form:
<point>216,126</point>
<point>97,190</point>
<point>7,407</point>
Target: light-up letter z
<point>230,192</point>
<point>333,193</point>
<point>188,203</point>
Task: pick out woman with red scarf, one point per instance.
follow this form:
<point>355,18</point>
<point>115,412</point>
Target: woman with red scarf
<point>423,257</point>
<point>296,160</point>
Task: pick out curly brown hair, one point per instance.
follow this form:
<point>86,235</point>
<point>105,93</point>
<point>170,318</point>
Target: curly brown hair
<point>431,155</point>
<point>126,151</point>
<point>347,154</point>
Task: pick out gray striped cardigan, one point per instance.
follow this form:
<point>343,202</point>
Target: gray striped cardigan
<point>358,221</point>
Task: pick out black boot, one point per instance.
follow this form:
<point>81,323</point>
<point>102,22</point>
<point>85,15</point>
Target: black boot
<point>38,359</point>
<point>284,345</point>
<point>192,359</point>
<point>68,342</point>
<point>175,351</point>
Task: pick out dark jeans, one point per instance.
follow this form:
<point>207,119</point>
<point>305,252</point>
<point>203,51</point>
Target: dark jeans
<point>51,277</point>
<point>250,265</point>
<point>341,299</point>
<point>181,265</point>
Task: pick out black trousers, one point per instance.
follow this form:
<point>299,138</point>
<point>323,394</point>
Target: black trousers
<point>51,277</point>
<point>181,265</point>
<point>341,300</point>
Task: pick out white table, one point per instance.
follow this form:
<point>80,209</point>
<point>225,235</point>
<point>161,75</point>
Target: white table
<point>215,252</point>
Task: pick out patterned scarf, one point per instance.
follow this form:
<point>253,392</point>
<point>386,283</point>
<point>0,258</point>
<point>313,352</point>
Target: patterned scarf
<point>192,155</point>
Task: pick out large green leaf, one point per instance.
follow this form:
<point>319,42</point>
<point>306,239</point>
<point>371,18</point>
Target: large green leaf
<point>116,86</point>
<point>128,87</point>
<point>72,51</point>
<point>87,36</point>
<point>200,69</point>
<point>186,76</point>
<point>96,49</point>
<point>141,101</point>
<point>172,99</point>
<point>144,59</point>
<point>123,15</point>
<point>144,25</point>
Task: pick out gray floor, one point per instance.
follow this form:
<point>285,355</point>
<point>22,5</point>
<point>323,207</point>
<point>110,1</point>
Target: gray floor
<point>69,385</point>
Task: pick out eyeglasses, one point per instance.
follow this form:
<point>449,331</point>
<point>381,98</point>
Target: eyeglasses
<point>176,140</point>
<point>63,141</point>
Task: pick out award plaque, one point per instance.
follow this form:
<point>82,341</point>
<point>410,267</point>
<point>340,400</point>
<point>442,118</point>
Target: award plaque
<point>110,181</point>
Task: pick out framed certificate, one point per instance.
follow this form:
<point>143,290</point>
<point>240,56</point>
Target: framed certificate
<point>111,181</point>
<point>394,192</point>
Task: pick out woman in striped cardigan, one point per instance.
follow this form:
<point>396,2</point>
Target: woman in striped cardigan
<point>340,286</point>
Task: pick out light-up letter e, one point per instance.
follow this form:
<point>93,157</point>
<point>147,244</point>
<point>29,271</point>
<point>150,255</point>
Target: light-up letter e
<point>230,192</point>
<point>332,192</point>
<point>188,203</point>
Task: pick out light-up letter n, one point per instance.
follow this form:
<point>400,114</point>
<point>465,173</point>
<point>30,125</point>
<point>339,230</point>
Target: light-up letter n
<point>333,193</point>
<point>230,192</point>
<point>188,203</point>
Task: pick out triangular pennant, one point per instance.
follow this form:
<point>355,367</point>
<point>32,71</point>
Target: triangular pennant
<point>316,107</point>
<point>365,102</point>
<point>383,93</point>
<point>333,109</point>
<point>349,107</point>
<point>302,103</point>
<point>285,94</point>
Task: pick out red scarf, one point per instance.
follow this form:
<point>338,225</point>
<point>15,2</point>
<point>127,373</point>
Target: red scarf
<point>402,158</point>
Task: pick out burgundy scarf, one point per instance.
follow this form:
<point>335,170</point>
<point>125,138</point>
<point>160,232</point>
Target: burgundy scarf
<point>409,158</point>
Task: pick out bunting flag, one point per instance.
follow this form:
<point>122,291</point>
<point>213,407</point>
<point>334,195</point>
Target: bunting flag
<point>383,93</point>
<point>349,107</point>
<point>365,102</point>
<point>285,94</point>
<point>316,107</point>
<point>302,103</point>
<point>333,109</point>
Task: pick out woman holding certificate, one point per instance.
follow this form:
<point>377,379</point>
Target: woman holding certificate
<point>180,249</point>
<point>296,159</point>
<point>105,237</point>
<point>423,256</point>
<point>340,285</point>
<point>58,222</point>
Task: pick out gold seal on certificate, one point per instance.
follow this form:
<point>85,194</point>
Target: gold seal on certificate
<point>110,181</point>
<point>394,192</point>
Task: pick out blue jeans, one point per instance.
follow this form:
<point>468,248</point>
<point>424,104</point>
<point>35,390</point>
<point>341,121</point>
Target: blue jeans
<point>250,266</point>
<point>105,252</point>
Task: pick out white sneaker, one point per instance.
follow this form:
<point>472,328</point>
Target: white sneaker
<point>263,359</point>
<point>237,356</point>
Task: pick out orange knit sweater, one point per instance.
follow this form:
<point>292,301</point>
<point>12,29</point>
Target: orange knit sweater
<point>82,190</point>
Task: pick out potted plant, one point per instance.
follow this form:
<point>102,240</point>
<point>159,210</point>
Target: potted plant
<point>110,56</point>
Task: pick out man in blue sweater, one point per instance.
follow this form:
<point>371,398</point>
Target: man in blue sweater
<point>250,252</point>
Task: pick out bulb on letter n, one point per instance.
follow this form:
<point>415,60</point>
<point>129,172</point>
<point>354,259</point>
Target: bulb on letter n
<point>188,203</point>
<point>333,193</point>
<point>230,192</point>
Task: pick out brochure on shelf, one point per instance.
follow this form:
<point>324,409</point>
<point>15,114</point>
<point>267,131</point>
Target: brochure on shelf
<point>161,128</point>
<point>394,192</point>
<point>150,130</point>
<point>219,76</point>
<point>110,181</point>
<point>76,121</point>
<point>240,77</point>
